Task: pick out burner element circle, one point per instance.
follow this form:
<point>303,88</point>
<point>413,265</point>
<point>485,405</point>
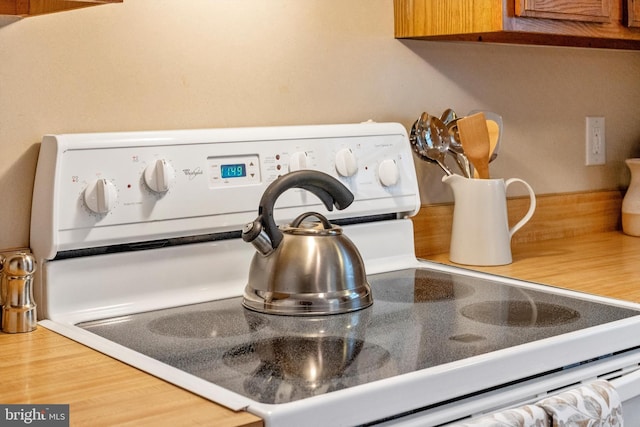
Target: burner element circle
<point>205,324</point>
<point>520,313</point>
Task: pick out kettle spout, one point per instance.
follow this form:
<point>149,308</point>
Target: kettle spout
<point>254,233</point>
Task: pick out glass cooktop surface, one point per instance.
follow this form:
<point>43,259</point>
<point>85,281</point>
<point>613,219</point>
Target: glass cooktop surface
<point>420,318</point>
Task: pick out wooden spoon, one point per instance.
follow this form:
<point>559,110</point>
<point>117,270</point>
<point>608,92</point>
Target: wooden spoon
<point>494,136</point>
<point>474,137</point>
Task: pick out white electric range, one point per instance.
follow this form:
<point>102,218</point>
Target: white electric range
<point>138,239</point>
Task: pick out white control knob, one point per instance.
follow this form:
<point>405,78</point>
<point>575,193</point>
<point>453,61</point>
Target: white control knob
<point>158,176</point>
<point>100,196</point>
<point>388,173</point>
<point>346,162</point>
<point>298,161</point>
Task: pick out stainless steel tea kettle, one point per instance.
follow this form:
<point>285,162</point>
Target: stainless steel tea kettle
<point>305,268</point>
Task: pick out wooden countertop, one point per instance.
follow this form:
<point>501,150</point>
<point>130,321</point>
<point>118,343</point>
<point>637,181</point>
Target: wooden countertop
<point>606,264</point>
<point>45,368</point>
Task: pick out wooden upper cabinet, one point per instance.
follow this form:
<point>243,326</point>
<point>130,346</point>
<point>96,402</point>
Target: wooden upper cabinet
<point>633,13</point>
<point>583,10</point>
<point>39,7</point>
<point>582,23</point>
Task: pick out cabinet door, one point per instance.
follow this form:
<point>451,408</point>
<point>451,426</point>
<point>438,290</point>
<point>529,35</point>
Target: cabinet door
<point>572,10</point>
<point>633,13</point>
<point>39,7</point>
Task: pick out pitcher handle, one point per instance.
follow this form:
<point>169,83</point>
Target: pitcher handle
<point>532,205</point>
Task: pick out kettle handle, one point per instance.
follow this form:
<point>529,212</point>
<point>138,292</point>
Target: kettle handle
<point>328,189</point>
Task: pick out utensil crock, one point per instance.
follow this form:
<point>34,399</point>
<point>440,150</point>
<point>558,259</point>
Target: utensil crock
<point>480,233</point>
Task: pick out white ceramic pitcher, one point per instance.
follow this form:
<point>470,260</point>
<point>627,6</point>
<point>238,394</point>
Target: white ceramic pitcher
<point>480,234</point>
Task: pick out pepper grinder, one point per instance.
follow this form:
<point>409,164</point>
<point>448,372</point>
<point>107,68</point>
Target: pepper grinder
<point>16,295</point>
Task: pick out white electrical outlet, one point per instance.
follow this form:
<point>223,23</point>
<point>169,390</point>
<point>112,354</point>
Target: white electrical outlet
<point>595,141</point>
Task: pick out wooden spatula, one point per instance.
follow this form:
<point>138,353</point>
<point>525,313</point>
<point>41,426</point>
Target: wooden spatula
<point>494,136</point>
<point>474,137</point>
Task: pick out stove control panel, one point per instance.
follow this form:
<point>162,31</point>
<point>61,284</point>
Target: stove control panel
<point>112,188</point>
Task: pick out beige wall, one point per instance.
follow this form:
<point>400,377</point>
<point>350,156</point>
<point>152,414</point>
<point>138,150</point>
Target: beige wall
<point>160,64</point>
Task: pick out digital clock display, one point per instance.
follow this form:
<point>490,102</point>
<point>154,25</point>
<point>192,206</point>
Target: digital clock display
<point>238,170</point>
